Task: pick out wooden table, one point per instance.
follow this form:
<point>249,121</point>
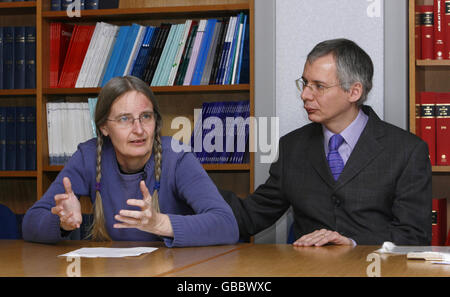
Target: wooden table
<point>19,258</point>
<point>265,260</point>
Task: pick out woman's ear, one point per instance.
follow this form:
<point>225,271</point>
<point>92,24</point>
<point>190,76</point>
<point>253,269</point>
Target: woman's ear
<point>104,130</point>
<point>355,92</point>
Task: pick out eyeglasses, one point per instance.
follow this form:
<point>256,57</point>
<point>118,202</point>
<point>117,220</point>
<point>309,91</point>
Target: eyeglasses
<point>127,120</point>
<point>316,88</point>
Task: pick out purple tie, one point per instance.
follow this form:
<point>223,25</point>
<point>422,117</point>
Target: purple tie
<point>334,159</point>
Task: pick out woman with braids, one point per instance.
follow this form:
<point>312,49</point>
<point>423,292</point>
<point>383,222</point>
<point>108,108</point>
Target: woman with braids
<point>140,188</point>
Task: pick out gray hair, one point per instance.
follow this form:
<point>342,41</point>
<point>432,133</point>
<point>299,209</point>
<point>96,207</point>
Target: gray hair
<point>353,64</point>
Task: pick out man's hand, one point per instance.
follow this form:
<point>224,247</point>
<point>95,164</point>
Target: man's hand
<point>322,237</point>
<point>68,208</point>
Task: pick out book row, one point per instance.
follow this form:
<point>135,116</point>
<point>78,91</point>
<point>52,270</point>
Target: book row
<point>432,32</point>
<point>17,57</point>
<point>433,125</point>
<point>221,134</point>
<point>196,52</point>
<point>17,138</point>
<point>85,4</point>
<point>68,124</point>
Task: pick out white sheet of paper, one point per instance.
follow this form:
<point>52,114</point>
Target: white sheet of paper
<point>390,248</point>
<point>101,252</point>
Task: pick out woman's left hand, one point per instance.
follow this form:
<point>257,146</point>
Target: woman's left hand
<point>146,219</point>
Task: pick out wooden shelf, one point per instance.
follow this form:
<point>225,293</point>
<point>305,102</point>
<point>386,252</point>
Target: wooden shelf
<point>150,12</point>
<point>443,63</point>
<point>18,173</point>
<point>156,90</point>
<point>18,92</point>
<point>441,169</point>
<point>12,8</point>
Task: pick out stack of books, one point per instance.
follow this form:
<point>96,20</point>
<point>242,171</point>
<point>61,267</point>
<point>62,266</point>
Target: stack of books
<point>433,125</point>
<point>17,57</point>
<point>68,124</point>
<point>221,134</point>
<point>432,34</point>
<point>197,52</point>
<point>18,138</point>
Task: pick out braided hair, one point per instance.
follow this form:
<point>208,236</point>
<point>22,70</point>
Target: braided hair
<point>115,88</point>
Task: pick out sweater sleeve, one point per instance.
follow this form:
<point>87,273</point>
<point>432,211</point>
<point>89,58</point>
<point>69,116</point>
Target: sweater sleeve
<point>213,222</point>
<point>39,224</point>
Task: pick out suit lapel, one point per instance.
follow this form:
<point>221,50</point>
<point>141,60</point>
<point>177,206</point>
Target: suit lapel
<point>366,149</point>
<point>316,156</point>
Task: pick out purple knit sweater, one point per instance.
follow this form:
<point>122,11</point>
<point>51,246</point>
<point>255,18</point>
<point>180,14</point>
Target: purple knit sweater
<point>198,214</point>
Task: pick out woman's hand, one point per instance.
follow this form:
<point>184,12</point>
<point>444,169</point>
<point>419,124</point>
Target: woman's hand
<point>68,208</point>
<point>146,219</point>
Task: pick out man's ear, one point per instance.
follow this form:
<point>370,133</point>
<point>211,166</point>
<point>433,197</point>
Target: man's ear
<point>355,92</point>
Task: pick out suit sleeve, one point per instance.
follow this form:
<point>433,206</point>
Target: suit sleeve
<point>262,208</point>
<point>412,204</point>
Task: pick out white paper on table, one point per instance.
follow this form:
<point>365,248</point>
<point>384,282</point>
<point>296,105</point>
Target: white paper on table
<point>390,248</point>
<point>434,254</point>
<point>101,252</point>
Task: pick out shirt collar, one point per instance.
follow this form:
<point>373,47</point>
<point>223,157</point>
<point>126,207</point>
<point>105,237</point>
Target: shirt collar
<point>350,134</point>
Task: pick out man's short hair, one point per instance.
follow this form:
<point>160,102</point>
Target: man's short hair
<point>353,64</point>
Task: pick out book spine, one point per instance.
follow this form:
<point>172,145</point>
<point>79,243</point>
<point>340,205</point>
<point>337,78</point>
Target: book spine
<point>31,138</point>
<point>117,49</point>
<point>11,140</point>
<point>439,36</point>
<point>8,58</point>
<point>21,134</point>
<point>428,122</point>
<point>218,53</point>
<point>108,4</point>
<point>1,58</point>
<point>19,57</point>
<point>163,58</point>
<point>443,129</point>
<point>91,4</point>
<point>418,103</point>
<point>164,32</point>
<point>417,33</point>
<point>30,57</point>
<point>2,138</point>
<point>179,78</point>
<point>244,72</point>
<point>55,5</point>
<point>427,31</point>
<point>447,28</point>
<point>438,221</point>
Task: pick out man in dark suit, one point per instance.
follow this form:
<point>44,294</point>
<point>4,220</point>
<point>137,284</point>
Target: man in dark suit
<point>350,177</point>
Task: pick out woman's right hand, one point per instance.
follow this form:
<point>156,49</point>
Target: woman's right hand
<point>68,208</point>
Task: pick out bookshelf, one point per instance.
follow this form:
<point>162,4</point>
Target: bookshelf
<point>427,76</point>
<point>20,189</point>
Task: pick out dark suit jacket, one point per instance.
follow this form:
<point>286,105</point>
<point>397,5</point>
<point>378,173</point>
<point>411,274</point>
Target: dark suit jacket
<point>383,194</point>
